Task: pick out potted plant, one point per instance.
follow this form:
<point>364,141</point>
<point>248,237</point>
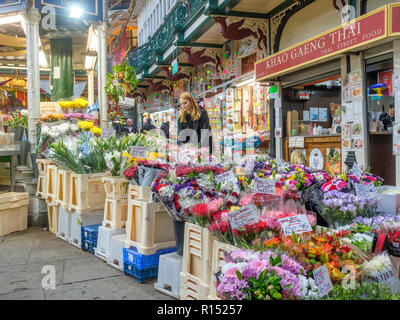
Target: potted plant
<point>121,81</point>
<point>18,122</point>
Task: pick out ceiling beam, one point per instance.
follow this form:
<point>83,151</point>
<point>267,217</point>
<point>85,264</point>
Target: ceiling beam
<point>238,14</point>
<point>199,45</point>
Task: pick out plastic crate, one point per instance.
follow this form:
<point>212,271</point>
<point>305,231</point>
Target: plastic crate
<point>141,274</point>
<point>42,177</point>
<point>63,182</point>
<point>51,184</point>
<point>88,245</point>
<point>141,261</point>
<point>79,220</point>
<point>89,233</point>
<point>52,215</point>
<point>13,212</point>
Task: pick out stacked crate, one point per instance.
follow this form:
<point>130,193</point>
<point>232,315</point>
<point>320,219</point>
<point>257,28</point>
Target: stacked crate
<point>89,237</point>
<point>149,234</point>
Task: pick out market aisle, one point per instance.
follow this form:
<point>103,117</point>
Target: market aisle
<point>79,274</point>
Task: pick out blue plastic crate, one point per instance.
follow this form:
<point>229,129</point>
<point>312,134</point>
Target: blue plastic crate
<point>88,245</point>
<point>141,274</point>
<point>141,261</point>
<point>90,232</point>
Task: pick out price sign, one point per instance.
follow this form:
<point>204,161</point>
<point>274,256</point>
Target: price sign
<point>229,175</point>
<point>297,224</point>
<point>139,152</point>
<point>322,280</point>
<point>107,133</point>
<point>356,171</point>
<point>265,186</point>
<point>363,190</point>
<point>242,217</point>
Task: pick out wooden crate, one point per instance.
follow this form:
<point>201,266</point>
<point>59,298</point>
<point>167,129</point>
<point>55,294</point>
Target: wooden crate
<point>139,193</point>
<point>52,215</point>
<point>116,202</point>
<point>191,289</point>
<point>87,193</point>
<point>42,177</point>
<point>149,227</point>
<point>218,260</point>
<point>63,187</point>
<point>197,254</point>
<point>51,184</point>
<point>13,212</point>
<point>50,108</point>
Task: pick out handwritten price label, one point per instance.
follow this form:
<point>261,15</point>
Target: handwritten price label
<point>322,280</point>
<point>297,224</point>
<point>363,190</point>
<point>265,186</point>
<point>229,175</point>
<point>242,217</point>
<point>139,152</point>
<point>107,133</point>
<point>356,171</point>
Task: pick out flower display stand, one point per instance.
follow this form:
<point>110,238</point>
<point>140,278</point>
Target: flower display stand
<point>149,227</point>
<point>103,249</point>
<point>52,215</point>
<point>51,184</point>
<point>140,193</point>
<point>168,274</point>
<point>195,276</point>
<point>218,260</point>
<point>63,189</point>
<point>116,202</point>
<point>79,220</point>
<point>116,258</point>
<point>64,224</point>
<point>42,177</point>
<point>87,193</point>
<point>13,212</point>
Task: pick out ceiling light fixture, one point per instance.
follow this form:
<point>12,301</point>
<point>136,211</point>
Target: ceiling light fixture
<point>75,12</point>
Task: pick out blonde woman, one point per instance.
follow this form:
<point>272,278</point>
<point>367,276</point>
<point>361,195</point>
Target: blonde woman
<point>195,118</point>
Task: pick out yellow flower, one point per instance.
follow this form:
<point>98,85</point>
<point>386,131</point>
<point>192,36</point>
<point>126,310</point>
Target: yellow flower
<point>81,103</point>
<point>85,125</point>
<point>96,131</point>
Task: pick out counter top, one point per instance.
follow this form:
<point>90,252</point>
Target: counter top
<point>381,133</point>
<point>319,136</point>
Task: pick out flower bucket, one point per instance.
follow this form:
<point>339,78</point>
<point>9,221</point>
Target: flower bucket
<point>19,132</point>
<point>179,229</point>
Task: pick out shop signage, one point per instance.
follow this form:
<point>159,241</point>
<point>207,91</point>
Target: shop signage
<point>322,280</point>
<point>297,224</point>
<point>248,63</point>
<point>368,28</point>
<point>242,217</point>
<point>229,175</point>
<point>394,19</point>
<point>92,9</point>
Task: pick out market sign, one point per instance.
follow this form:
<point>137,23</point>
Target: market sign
<point>394,19</point>
<point>367,28</point>
<point>7,6</point>
<point>92,9</point>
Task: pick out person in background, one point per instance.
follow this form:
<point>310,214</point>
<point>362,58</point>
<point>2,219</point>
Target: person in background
<point>148,125</point>
<point>388,118</point>
<point>129,127</point>
<point>191,116</point>
<point>165,128</point>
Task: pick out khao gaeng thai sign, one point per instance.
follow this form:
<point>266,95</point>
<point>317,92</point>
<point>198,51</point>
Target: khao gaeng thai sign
<point>369,27</point>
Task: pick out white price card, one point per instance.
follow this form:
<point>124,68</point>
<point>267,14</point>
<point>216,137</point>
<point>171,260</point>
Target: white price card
<point>297,224</point>
<point>292,142</point>
<point>356,171</point>
<point>139,152</point>
<point>363,190</point>
<point>107,133</point>
<point>244,216</point>
<point>265,186</point>
<point>229,175</point>
<point>322,280</point>
<point>299,142</point>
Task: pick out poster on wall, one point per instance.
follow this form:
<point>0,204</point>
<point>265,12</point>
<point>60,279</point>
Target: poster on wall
<point>314,113</point>
<point>333,160</point>
<point>298,156</point>
<point>316,160</point>
<point>322,114</point>
<point>387,78</point>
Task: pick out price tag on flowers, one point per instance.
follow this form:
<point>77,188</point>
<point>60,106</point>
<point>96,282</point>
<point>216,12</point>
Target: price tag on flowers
<point>322,280</point>
<point>242,217</point>
<point>297,224</point>
<point>107,133</point>
<point>229,175</point>
<point>139,152</point>
<point>356,171</point>
<point>365,190</point>
<point>264,186</point>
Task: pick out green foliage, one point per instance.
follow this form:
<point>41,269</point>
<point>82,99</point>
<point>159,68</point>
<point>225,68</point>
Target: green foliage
<point>363,291</point>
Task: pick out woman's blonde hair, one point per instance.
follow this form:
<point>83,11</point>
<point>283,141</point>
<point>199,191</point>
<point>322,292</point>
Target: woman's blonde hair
<point>196,113</point>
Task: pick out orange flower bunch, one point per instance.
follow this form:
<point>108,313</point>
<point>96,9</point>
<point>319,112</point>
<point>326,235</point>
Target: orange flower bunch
<point>51,117</point>
<point>315,250</point>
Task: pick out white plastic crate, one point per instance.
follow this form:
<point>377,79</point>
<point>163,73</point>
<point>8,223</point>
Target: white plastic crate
<point>389,203</point>
<point>103,247</point>
<point>169,268</point>
<point>116,258</point>
<point>79,220</point>
<point>64,224</point>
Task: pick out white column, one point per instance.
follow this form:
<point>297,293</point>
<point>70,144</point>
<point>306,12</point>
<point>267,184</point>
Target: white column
<point>90,74</point>
<point>396,60</point>
<point>32,19</point>
<point>102,74</point>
